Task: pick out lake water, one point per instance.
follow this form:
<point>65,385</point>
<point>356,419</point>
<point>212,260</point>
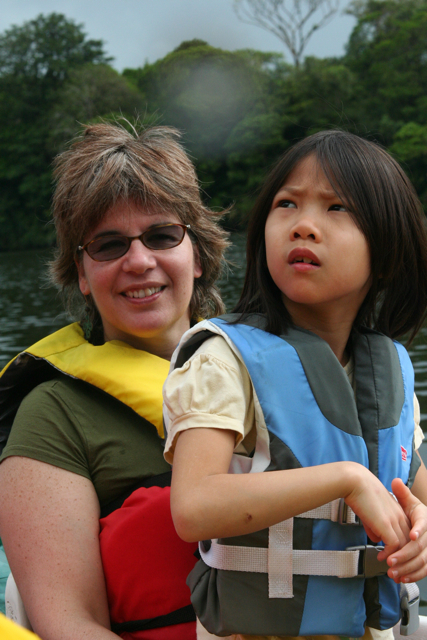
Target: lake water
<point>29,310</point>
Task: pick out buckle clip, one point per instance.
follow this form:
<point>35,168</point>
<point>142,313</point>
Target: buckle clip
<point>343,513</point>
<point>369,566</point>
<point>410,616</point>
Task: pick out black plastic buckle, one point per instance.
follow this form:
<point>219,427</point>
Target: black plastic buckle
<point>369,566</point>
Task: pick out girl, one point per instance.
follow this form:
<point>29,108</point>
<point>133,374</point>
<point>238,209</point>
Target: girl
<point>305,382</point>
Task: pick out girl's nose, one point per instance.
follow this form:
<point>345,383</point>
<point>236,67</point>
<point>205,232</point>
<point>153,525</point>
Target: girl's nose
<point>139,258</point>
<point>306,228</point>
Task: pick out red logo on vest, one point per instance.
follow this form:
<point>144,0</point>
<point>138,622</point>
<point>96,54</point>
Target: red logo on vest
<point>404,453</point>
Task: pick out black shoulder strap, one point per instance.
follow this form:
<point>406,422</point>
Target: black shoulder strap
<point>184,614</point>
<point>193,343</point>
<point>23,374</point>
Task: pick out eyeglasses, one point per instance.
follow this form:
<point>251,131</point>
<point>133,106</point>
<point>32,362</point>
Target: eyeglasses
<point>158,238</point>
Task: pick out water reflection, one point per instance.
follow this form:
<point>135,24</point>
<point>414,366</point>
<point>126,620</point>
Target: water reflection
<point>28,309</point>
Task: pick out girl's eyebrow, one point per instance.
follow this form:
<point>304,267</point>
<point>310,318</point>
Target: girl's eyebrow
<point>325,193</point>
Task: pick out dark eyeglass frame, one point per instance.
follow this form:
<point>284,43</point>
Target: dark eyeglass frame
<point>130,239</point>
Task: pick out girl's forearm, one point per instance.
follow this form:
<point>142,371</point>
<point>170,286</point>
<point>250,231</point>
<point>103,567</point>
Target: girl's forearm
<point>229,505</point>
<point>207,502</point>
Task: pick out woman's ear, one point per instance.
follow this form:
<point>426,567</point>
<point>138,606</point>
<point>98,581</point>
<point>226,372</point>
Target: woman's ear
<point>83,283</point>
<point>198,271</point>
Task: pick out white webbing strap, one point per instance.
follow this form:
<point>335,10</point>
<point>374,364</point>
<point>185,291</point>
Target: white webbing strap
<point>280,560</point>
<point>409,590</point>
<point>336,511</point>
<point>342,564</point>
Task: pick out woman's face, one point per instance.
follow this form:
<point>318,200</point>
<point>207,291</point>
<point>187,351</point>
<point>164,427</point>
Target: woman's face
<point>143,297</point>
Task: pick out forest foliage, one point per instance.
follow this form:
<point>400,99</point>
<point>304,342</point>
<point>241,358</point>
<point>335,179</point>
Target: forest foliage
<point>238,111</point>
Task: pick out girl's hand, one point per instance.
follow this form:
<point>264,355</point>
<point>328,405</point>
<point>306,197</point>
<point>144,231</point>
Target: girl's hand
<point>409,564</point>
<point>382,516</point>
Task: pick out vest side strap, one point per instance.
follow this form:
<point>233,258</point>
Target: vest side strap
<point>342,564</point>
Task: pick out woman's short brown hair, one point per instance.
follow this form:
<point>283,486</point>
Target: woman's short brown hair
<point>106,164</point>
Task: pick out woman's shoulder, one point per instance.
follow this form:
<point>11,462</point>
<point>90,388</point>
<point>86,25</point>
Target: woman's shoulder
<point>61,397</point>
<point>58,386</point>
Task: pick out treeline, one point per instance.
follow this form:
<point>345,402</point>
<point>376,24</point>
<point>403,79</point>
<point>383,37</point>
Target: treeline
<point>237,110</point>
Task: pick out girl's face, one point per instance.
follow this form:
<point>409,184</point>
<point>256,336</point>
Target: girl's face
<point>316,254</point>
<point>142,297</point>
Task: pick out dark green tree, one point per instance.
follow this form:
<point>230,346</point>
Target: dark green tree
<point>36,59</point>
<point>46,48</point>
<point>92,92</point>
<point>388,52</point>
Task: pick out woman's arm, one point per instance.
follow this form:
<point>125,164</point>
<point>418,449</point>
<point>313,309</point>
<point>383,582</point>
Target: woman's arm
<point>207,502</point>
<point>49,524</point>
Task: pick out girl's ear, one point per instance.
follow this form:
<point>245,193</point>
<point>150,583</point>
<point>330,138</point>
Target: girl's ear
<point>83,283</point>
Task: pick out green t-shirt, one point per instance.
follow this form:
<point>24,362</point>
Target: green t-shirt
<point>73,425</point>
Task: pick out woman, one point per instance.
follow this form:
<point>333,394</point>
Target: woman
<point>137,258</point>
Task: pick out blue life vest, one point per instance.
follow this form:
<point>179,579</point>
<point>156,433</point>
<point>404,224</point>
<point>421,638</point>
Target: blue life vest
<point>312,417</point>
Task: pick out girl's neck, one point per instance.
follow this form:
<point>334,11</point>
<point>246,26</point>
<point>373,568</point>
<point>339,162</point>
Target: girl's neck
<point>333,330</point>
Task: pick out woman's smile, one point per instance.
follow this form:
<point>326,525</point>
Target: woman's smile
<point>146,293</point>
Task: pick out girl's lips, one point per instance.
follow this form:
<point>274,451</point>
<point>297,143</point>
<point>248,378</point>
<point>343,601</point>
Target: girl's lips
<point>303,260</point>
<point>303,256</point>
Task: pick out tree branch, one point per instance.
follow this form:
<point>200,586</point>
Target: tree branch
<point>289,20</point>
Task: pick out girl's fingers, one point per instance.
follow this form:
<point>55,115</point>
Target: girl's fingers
<point>418,521</point>
<point>409,572</point>
<point>415,510</point>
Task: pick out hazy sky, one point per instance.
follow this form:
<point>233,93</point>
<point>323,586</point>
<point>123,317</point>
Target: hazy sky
<point>138,30</point>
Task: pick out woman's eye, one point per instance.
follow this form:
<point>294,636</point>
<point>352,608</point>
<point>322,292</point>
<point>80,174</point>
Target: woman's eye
<point>337,207</point>
<point>285,204</point>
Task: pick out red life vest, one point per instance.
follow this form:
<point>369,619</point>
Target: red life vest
<point>145,565</point>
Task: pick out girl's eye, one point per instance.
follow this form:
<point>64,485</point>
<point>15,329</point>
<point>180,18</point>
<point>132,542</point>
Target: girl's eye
<point>337,207</point>
<point>285,204</point>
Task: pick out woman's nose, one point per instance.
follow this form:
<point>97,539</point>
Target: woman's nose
<point>139,258</point>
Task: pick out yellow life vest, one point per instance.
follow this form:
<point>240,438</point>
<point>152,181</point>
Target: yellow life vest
<point>11,631</point>
<point>132,376</point>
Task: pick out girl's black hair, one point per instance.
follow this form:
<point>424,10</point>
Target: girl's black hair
<point>385,207</point>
